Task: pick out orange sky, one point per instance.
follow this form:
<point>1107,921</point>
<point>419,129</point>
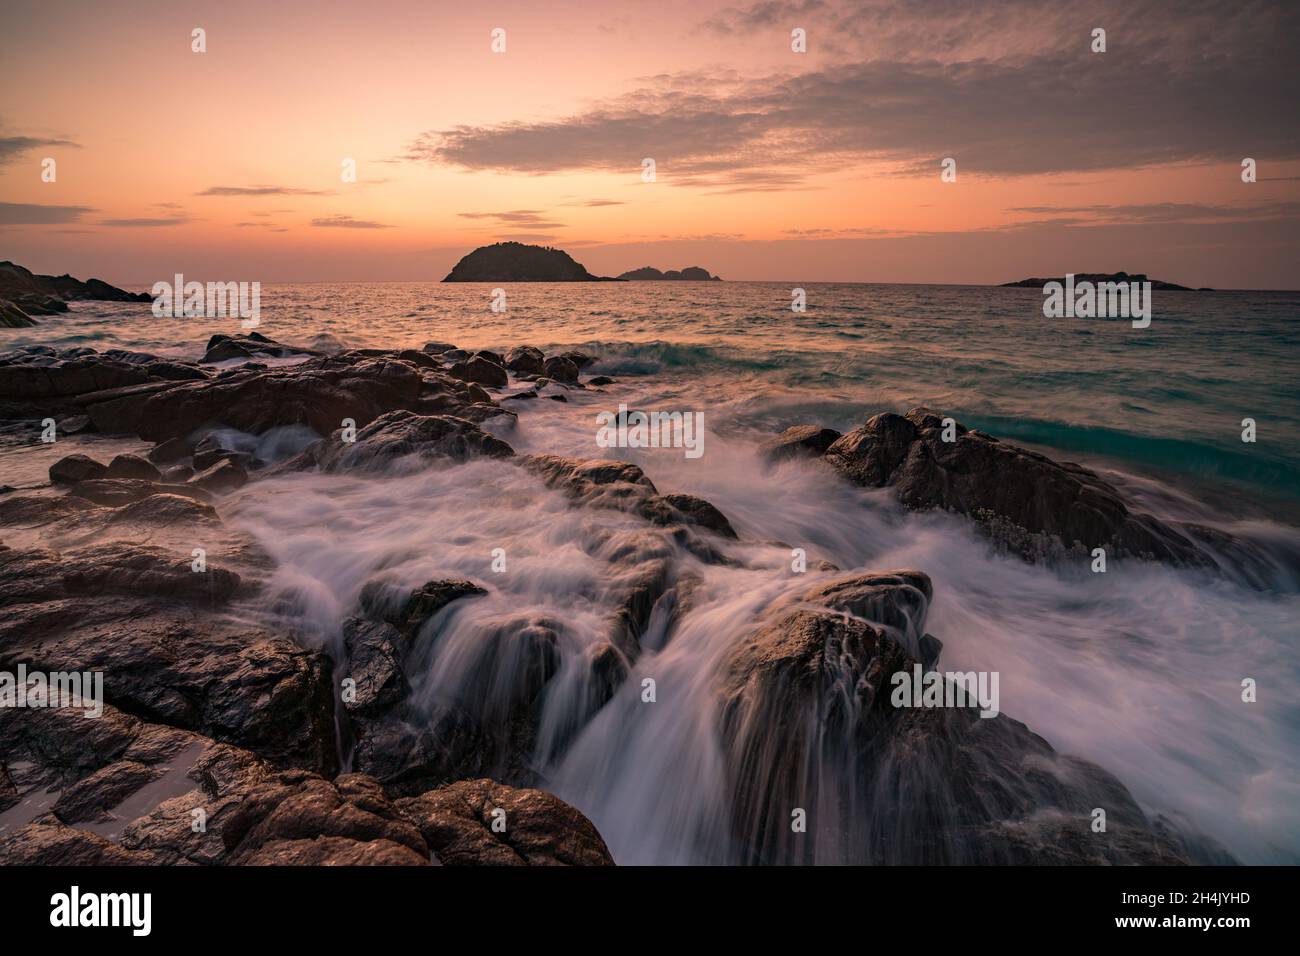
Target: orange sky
<point>770,164</point>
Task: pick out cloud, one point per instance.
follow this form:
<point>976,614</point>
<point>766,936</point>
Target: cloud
<point>762,16</point>
<point>145,223</point>
<point>262,191</point>
<point>594,203</point>
<point>1171,212</point>
<point>347,222</point>
<point>11,147</point>
<point>1200,89</point>
<point>37,214</point>
<point>535,218</point>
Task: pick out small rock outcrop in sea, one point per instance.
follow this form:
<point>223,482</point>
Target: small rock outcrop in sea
<point>24,294</point>
<point>1156,284</point>
<point>1025,501</point>
<point>651,274</point>
<point>516,262</point>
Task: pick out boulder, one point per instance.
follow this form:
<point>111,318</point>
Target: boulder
<point>76,468</point>
<point>456,822</point>
<point>404,440</point>
<point>1025,500</point>
<point>132,466</point>
<point>481,370</point>
<point>526,360</point>
<point>808,720</point>
<point>800,441</point>
<point>561,369</point>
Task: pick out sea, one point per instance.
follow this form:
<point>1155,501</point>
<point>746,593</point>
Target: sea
<point>1139,669</point>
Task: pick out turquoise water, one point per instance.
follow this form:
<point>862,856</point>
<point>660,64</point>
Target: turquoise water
<point>1138,669</point>
<point>1167,400</point>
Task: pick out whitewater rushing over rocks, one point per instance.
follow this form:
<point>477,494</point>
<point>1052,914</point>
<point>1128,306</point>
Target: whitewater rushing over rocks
<point>427,594</point>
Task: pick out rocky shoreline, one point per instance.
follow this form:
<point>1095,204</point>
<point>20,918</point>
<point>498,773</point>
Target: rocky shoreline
<point>215,712</point>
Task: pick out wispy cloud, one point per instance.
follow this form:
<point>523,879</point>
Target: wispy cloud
<point>347,222</point>
<point>38,214</point>
<point>262,191</point>
<point>535,218</point>
<point>11,147</point>
<point>1203,89</point>
<point>145,223</point>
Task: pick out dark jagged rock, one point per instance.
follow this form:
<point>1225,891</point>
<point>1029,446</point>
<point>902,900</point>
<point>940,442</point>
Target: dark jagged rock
<point>686,509</point>
<point>15,281</point>
<point>319,393</point>
<point>222,348</point>
<point>525,359</point>
<point>516,262</point>
<point>808,721</point>
<point>132,466</point>
<point>1094,277</point>
<point>800,440</point>
<point>146,784</point>
<point>561,369</point>
<point>402,437</point>
<point>649,273</point>
<point>154,628</point>
<point>115,492</point>
<point>409,610</point>
<point>75,468</point>
<point>225,476</point>
<point>456,822</point>
<point>12,316</point>
<point>1026,500</point>
<point>481,370</point>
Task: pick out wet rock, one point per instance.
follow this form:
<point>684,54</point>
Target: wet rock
<point>525,359</point>
<point>438,348</point>
<point>580,360</point>
<point>686,509</point>
<point>415,441</point>
<point>222,348</point>
<point>319,393</point>
<point>115,492</point>
<point>172,450</point>
<point>561,369</point>
<point>600,380</point>
<point>35,383</point>
<point>132,466</point>
<point>479,369</point>
<point>75,468</point>
<point>285,819</point>
<point>407,610</point>
<point>540,829</point>
<point>13,317</point>
<point>809,720</point>
<point>155,631</point>
<point>27,511</point>
<point>56,844</point>
<point>1025,500</point>
<point>800,440</point>
<point>225,476</point>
